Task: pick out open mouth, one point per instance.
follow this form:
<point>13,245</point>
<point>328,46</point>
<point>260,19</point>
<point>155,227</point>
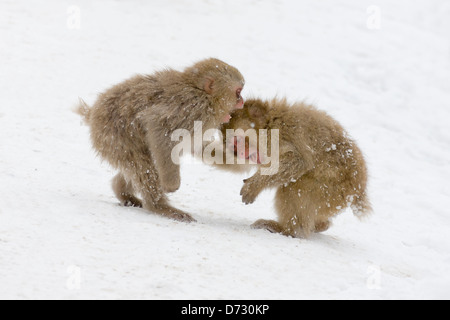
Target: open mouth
<point>253,157</point>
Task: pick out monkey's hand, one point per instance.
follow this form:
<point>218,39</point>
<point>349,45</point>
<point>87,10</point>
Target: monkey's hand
<point>250,190</point>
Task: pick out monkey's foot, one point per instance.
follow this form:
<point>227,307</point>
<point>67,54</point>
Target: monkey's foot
<point>132,202</point>
<point>173,213</point>
<point>269,225</point>
<point>183,217</point>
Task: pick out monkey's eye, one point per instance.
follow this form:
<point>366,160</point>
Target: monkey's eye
<point>238,93</point>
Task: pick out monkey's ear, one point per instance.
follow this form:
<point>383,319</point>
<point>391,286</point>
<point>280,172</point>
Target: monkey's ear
<point>208,85</point>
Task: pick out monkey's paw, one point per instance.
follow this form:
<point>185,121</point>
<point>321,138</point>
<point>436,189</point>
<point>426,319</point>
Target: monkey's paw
<point>133,202</point>
<point>249,192</point>
<point>183,217</point>
<point>269,225</point>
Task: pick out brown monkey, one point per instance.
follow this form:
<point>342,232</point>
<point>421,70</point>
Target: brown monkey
<point>321,169</point>
<point>131,126</point>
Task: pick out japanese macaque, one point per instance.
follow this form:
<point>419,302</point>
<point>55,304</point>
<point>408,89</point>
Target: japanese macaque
<point>131,126</point>
<point>321,171</point>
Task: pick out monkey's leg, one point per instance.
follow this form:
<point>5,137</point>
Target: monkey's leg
<point>296,211</point>
<point>170,177</point>
<point>287,207</point>
<point>161,146</point>
<point>154,198</point>
<point>166,210</point>
<point>125,192</point>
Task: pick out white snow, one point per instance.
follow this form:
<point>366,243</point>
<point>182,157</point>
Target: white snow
<point>382,68</point>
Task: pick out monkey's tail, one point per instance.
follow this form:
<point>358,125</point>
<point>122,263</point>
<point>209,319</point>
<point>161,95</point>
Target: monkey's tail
<point>361,206</point>
<point>83,110</point>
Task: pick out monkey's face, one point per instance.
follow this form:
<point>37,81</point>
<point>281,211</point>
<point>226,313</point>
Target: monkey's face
<point>228,100</point>
<point>223,83</point>
<point>244,147</point>
<point>241,133</point>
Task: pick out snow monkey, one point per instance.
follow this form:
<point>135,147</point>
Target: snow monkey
<point>321,169</point>
<point>131,126</point>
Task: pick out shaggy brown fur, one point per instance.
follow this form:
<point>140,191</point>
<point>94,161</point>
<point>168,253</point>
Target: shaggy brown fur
<point>131,126</point>
<point>321,171</point>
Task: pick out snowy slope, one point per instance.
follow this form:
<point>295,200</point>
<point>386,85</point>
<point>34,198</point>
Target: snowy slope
<point>62,232</point>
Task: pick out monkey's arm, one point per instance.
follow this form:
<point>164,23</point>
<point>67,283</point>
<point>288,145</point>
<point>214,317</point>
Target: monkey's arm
<point>292,166</point>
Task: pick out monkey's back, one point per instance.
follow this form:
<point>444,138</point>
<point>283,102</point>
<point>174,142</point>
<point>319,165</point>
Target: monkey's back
<point>116,132</point>
<point>338,177</point>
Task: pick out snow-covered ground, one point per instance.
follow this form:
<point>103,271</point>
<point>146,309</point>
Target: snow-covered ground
<point>382,68</point>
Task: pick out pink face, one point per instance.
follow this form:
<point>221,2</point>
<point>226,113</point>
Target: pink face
<point>239,104</point>
<point>242,150</point>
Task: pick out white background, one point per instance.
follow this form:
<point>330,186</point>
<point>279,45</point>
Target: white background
<point>384,73</point>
